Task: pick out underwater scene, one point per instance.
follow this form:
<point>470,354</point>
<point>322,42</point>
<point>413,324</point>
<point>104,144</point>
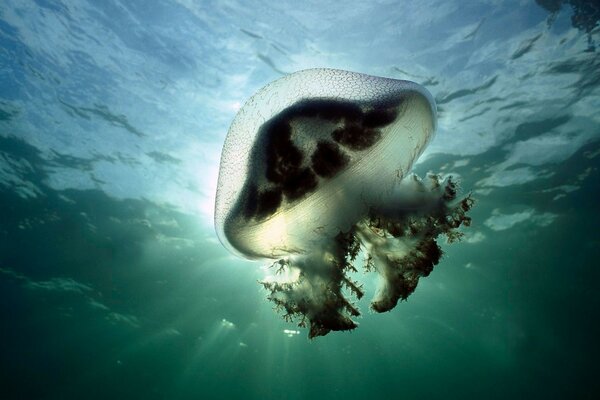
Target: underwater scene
<point>226,199</point>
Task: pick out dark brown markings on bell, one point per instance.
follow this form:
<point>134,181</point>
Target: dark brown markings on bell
<point>328,159</point>
<point>379,118</point>
<point>251,202</point>
<point>297,185</point>
<point>283,157</point>
<point>284,160</point>
<point>355,137</point>
<point>331,110</point>
<point>268,202</point>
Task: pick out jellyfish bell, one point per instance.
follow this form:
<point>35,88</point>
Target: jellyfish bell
<point>311,143</point>
<point>315,167</point>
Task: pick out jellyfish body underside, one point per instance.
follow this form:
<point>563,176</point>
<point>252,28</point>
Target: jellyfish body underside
<point>327,177</point>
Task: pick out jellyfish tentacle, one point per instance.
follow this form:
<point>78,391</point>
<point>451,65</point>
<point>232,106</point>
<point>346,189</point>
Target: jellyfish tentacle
<point>399,243</point>
<point>316,293</point>
<point>401,240</point>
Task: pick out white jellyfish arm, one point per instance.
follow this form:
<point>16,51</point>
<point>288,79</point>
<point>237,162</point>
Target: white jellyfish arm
<point>314,169</point>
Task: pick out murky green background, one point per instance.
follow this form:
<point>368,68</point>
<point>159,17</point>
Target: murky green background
<point>113,284</point>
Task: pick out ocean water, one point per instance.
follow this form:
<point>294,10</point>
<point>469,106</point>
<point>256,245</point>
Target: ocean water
<point>113,283</point>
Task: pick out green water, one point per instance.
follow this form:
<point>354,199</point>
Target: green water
<point>113,284</point>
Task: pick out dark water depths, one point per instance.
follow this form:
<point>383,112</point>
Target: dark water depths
<point>112,281</point>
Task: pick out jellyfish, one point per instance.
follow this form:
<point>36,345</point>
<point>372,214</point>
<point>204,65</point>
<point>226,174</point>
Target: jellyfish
<point>315,177</point>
